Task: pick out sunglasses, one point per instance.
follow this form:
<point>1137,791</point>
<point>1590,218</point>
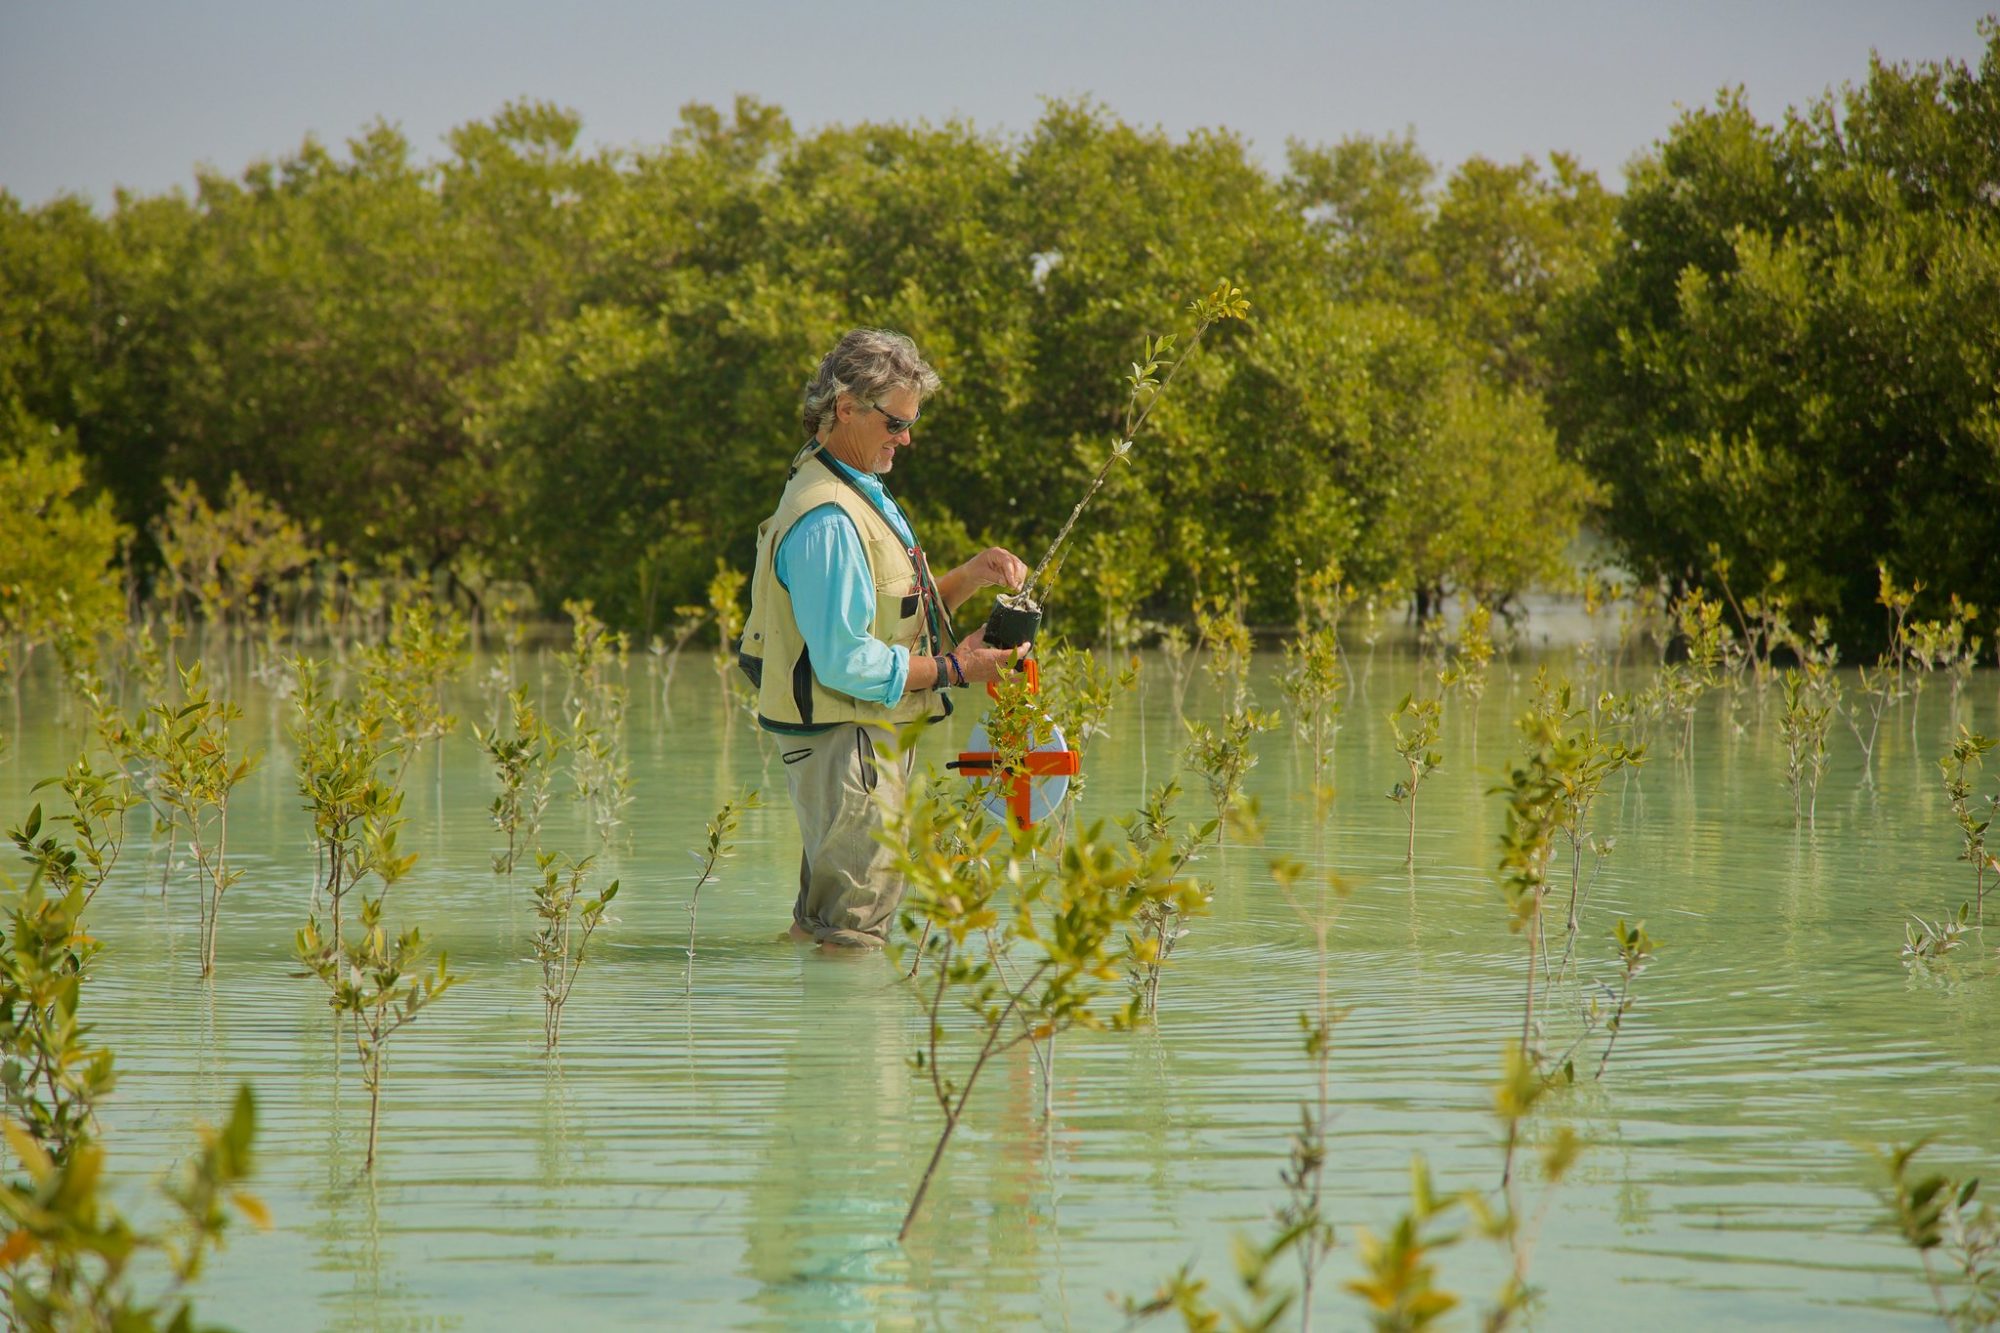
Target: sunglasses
<point>897,425</point>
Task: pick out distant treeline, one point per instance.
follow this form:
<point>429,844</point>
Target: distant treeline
<point>580,371</point>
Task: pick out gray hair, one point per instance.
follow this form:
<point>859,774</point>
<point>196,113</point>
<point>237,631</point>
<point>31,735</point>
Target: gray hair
<point>867,363</point>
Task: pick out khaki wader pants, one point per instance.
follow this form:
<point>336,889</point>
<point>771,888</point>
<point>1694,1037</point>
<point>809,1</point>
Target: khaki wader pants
<point>843,783</point>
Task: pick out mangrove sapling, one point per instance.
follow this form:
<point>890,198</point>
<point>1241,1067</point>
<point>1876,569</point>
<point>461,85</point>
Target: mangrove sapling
<point>1877,690</point>
<point>1534,791</point>
<point>1222,755</point>
<point>1682,684</point>
<point>338,754</point>
<point>1305,1173</point>
<point>1927,941</point>
<point>1472,655</point>
<point>196,774</point>
<point>1585,756</point>
<point>1763,620</point>
<point>721,829</point>
<point>1221,629</point>
<point>72,1256</point>
<point>595,703</point>
<point>380,985</point>
<point>52,1077</point>
<point>1078,693</point>
<point>1145,390</point>
<point>1162,922</point>
<point>1961,772</point>
<point>1173,643</point>
<point>688,620</point>
<point>1313,683</point>
<point>1419,759</point>
<point>1941,1215</point>
<point>1399,1281</point>
<point>1063,921</point>
<point>98,804</point>
<point>521,757</point>
<point>1635,950</point>
<point>403,678</point>
<point>1807,717</point>
<point>569,919</point>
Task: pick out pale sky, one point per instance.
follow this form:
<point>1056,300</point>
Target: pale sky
<point>96,94</point>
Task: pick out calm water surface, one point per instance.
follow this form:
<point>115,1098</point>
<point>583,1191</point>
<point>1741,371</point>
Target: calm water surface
<point>740,1156</point>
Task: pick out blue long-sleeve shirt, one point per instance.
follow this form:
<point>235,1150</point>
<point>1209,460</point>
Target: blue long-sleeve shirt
<point>823,566</point>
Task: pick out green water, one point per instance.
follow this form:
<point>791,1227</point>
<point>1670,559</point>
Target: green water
<point>741,1156</point>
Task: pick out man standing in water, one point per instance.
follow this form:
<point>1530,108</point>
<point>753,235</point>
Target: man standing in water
<point>849,636</point>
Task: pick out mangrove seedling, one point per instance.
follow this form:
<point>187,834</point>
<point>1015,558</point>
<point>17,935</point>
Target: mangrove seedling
<point>1222,755</point>
<point>1927,941</point>
<point>721,829</point>
<point>569,918</point>
<point>72,1257</point>
<point>1221,629</point>
<point>1162,922</point>
<point>1399,1282</point>
<point>1810,702</point>
<point>1145,390</point>
<point>1582,759</point>
<point>1877,690</point>
<point>1961,772</point>
<point>1942,1217</point>
<point>98,803</point>
<point>403,678</point>
<point>1304,1175</point>
<point>521,758</point>
<point>338,755</point>
<point>380,985</point>
<point>1173,644</point>
<point>1472,655</point>
<point>196,774</point>
<point>1078,692</point>
<point>1063,922</point>
<point>595,703</point>
<point>1534,791</point>
<point>1313,683</point>
<point>1413,746</point>
<point>52,1076</point>
<point>1635,950</point>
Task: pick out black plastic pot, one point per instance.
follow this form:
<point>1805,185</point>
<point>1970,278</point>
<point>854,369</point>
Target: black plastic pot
<point>1011,625</point>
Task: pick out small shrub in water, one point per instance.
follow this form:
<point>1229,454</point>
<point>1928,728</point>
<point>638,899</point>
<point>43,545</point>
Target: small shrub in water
<point>1927,941</point>
<point>1063,924</point>
<point>1223,755</point>
<point>721,829</point>
<point>379,985</point>
<point>196,774</point>
<point>1162,922</point>
<point>1419,759</point>
<point>521,758</point>
<point>1961,774</point>
<point>1942,1217</point>
<point>1635,950</point>
<point>569,919</point>
<point>70,1254</point>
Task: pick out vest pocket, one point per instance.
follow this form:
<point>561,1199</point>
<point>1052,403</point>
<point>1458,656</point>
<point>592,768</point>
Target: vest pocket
<point>802,686</point>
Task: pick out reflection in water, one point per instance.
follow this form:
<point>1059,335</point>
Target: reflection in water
<point>829,1187</point>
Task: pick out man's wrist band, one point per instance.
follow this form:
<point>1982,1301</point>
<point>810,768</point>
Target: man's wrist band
<point>956,669</point>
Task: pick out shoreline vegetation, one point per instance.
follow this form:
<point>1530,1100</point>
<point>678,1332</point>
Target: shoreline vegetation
<point>524,372</point>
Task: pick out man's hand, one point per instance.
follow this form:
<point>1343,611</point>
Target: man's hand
<point>993,567</point>
<point>980,663</point>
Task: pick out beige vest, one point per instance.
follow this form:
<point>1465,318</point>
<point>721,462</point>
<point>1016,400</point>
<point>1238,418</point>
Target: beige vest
<point>908,612</point>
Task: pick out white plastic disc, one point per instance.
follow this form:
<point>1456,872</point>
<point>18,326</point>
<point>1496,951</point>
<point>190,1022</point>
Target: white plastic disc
<point>1045,794</point>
